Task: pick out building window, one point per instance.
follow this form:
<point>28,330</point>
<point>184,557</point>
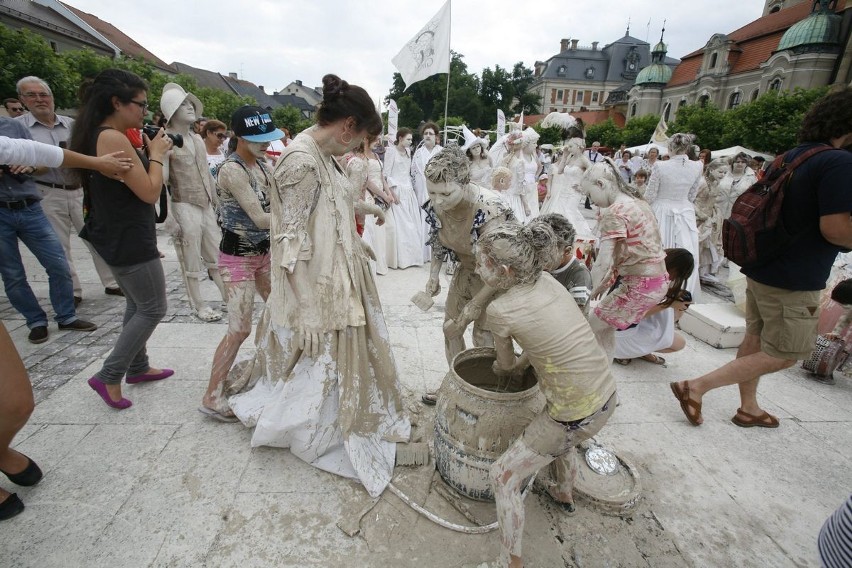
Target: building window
<point>633,110</point>
<point>681,103</point>
<point>754,94</point>
<point>713,59</point>
<point>559,95</point>
<point>703,100</point>
<point>775,85</point>
<point>54,47</point>
<point>735,99</point>
<point>561,70</point>
<point>578,98</point>
<point>595,97</point>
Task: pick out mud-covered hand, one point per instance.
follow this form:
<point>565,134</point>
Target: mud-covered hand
<point>309,342</point>
<point>453,329</point>
<point>433,286</point>
<point>368,250</point>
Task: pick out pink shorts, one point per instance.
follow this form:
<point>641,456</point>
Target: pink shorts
<point>242,268</point>
<point>632,297</point>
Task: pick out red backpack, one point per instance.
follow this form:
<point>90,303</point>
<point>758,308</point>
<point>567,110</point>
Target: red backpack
<point>755,232</point>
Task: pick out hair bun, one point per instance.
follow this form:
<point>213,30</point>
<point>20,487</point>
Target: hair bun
<point>333,86</point>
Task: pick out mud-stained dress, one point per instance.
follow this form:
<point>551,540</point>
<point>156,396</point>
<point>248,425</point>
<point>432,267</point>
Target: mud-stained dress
<point>340,411</point>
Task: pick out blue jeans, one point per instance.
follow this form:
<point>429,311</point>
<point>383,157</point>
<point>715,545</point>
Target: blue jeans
<point>144,287</point>
<point>31,226</point>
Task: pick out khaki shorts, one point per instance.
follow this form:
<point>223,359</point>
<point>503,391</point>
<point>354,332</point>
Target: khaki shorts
<point>785,320</point>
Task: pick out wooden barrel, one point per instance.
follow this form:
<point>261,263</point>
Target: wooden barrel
<point>477,420</point>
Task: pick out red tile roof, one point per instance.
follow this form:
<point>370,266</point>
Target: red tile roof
<point>756,41</point>
<point>126,44</point>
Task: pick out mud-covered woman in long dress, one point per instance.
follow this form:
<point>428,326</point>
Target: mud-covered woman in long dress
<point>325,381</point>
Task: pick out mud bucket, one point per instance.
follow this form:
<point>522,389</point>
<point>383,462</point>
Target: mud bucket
<point>478,418</point>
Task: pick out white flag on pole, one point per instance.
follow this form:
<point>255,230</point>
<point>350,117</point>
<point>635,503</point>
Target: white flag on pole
<point>501,123</point>
<point>428,52</point>
<point>393,120</point>
<point>660,132</point>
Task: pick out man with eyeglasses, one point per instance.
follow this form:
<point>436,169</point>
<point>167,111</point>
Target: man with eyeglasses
<point>14,107</point>
<point>62,194</point>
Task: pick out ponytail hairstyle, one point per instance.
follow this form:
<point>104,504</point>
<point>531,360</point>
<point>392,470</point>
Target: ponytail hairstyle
<point>96,105</point>
<point>524,250</point>
<point>680,143</point>
<point>679,264</point>
<point>340,101</point>
<point>608,170</point>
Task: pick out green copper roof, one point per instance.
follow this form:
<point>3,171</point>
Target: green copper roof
<point>660,47</point>
<point>821,27</point>
<point>656,73</point>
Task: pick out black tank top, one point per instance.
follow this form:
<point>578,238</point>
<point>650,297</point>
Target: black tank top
<point>119,225</point>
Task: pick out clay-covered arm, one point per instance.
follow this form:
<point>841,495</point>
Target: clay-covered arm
<point>297,184</point>
<point>471,311</point>
<point>433,285</point>
<point>505,360</point>
<point>602,269</point>
<point>236,181</point>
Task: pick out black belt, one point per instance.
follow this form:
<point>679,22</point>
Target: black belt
<point>22,204</point>
<point>59,186</point>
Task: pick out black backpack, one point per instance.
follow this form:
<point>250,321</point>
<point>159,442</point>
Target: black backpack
<point>755,233</point>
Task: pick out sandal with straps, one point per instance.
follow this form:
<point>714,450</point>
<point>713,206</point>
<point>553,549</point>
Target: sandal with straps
<point>691,409</point>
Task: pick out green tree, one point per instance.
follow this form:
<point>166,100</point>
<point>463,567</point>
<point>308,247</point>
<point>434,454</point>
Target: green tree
<point>551,135</point>
<point>24,53</point>
<point>607,133</point>
<point>291,118</point>
<point>771,123</point>
<point>525,101</point>
<point>708,123</point>
<point>639,130</point>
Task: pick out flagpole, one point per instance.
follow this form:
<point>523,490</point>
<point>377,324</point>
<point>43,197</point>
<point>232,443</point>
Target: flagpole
<point>449,70</point>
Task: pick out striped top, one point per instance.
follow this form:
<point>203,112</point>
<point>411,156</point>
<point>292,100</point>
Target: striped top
<point>835,538</point>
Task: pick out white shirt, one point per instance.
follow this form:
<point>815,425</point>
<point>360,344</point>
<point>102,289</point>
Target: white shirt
<point>22,152</point>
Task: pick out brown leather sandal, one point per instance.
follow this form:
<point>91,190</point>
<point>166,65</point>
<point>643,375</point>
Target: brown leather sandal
<point>655,359</point>
<point>691,409</point>
<point>745,420</point>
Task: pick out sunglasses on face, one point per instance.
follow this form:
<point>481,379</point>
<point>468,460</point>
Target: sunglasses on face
<point>220,135</point>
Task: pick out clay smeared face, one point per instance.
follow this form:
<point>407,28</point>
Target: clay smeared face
<point>406,142</point>
<point>653,153</point>
<point>258,149</point>
<point>429,138</point>
<point>596,190</point>
<point>444,195</point>
<point>185,113</point>
<point>488,271</point>
<point>719,173</point>
<point>476,150</point>
<point>739,166</point>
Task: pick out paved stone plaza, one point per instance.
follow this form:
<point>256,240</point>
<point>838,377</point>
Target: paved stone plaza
<point>161,485</point>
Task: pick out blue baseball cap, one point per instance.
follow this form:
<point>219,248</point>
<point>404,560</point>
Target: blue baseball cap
<point>254,124</point>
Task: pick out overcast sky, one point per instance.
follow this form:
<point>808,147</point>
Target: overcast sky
<point>273,42</point>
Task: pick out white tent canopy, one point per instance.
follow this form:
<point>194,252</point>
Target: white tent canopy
<point>734,150</point>
<point>643,149</point>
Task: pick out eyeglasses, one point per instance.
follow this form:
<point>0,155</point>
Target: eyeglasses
<point>142,104</point>
<point>16,109</point>
<point>36,95</point>
<point>220,135</point>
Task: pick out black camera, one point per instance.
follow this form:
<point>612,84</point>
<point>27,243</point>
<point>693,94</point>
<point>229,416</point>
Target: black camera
<point>150,131</point>
<point>685,296</point>
<point>7,171</point>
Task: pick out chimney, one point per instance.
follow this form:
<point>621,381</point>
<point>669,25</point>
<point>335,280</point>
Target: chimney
<point>232,75</point>
<point>299,82</point>
<point>574,43</point>
<point>274,93</point>
<point>594,46</point>
<point>261,89</point>
<point>563,45</point>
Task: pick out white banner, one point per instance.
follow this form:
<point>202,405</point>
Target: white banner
<point>393,120</point>
<point>501,123</point>
<point>428,52</point>
<point>659,136</point>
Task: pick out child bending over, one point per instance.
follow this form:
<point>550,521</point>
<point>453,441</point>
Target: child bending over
<point>631,260</point>
<point>566,268</point>
<point>573,371</point>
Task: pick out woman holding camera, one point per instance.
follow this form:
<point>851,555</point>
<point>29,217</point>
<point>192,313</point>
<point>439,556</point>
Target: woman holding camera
<point>120,222</point>
<point>655,332</point>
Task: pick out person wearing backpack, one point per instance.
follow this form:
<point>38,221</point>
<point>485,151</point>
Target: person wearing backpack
<point>783,287</point>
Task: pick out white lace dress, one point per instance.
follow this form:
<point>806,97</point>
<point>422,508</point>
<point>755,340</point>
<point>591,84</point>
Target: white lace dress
<point>512,196</point>
<point>480,172</point>
<point>671,192</point>
<point>409,224</point>
<point>375,235</point>
<point>530,184</point>
<point>565,199</point>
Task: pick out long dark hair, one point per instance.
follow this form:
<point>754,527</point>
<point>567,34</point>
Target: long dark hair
<point>680,264</point>
<point>96,105</point>
<point>340,100</point>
